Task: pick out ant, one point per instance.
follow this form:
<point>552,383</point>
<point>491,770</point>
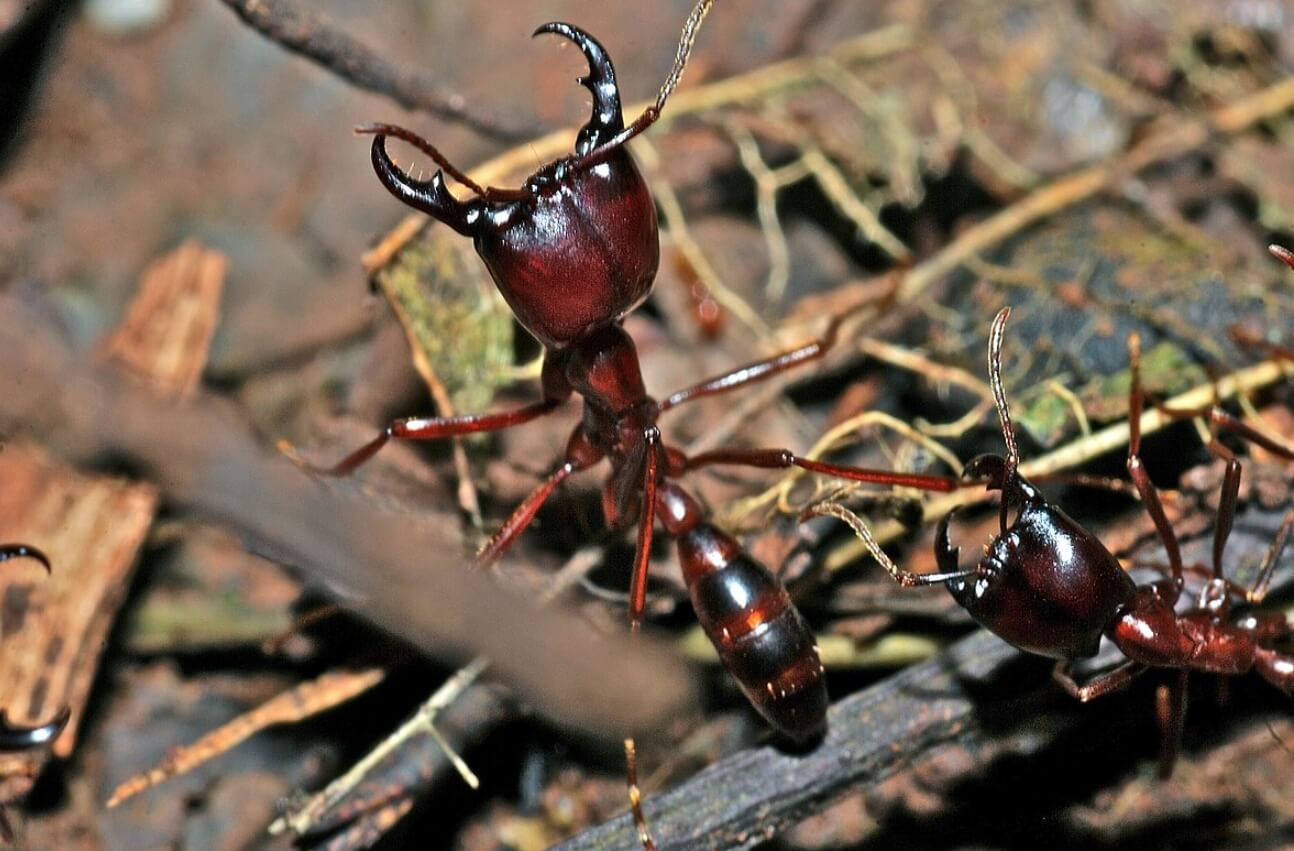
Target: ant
<point>573,251</point>
<point>1050,587</point>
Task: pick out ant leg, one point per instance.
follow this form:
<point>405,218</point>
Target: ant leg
<point>636,797</point>
<point>1097,686</point>
<point>556,389</point>
<point>637,607</point>
<point>580,455</point>
<point>1276,668</point>
<point>1263,581</point>
<point>1140,478</point>
<point>775,459</point>
<point>642,559</point>
<point>1218,420</point>
<point>434,428</point>
<point>521,516</point>
<point>1170,711</point>
<point>757,371</point>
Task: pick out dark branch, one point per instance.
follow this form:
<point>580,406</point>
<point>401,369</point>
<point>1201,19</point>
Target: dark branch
<point>312,36</point>
<point>965,697</point>
<point>755,794</point>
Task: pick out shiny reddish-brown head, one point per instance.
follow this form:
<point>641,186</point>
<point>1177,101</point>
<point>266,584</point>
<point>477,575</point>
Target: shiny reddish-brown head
<point>576,248</point>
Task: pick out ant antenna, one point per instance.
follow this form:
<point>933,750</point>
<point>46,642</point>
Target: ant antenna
<point>383,130</point>
<point>649,115</point>
<point>999,395</point>
<point>685,41</point>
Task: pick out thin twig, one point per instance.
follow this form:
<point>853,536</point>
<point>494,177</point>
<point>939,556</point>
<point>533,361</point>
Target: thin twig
<point>1168,143</point>
<point>304,700</point>
<point>309,34</point>
<point>423,721</point>
<point>386,766</point>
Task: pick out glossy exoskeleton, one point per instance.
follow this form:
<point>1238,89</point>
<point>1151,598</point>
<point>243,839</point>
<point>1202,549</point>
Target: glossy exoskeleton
<point>1050,587</point>
<point>573,251</point>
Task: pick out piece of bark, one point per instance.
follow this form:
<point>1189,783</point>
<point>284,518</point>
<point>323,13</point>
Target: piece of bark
<point>91,526</point>
<point>166,333</point>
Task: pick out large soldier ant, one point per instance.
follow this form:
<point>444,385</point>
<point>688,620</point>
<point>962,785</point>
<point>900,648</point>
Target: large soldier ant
<point>573,251</point>
<point>1050,587</point>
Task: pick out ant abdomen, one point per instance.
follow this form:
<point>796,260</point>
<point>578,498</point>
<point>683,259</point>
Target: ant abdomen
<point>760,636</point>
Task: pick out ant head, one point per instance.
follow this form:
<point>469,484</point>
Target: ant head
<point>574,249</point>
<point>1045,584</point>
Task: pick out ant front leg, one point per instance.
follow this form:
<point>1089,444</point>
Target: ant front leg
<point>1145,487</point>
<point>1097,686</point>
<point>775,459</point>
<point>1229,496</point>
<point>556,391</point>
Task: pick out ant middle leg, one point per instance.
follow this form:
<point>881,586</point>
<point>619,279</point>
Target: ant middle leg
<point>784,458</point>
<point>757,371</point>
<point>1136,469</point>
<point>775,459</point>
<point>434,428</point>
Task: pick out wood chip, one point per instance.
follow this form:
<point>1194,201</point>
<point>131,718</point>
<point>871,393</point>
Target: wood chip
<point>91,526</point>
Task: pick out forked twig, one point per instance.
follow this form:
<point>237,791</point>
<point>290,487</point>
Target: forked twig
<point>327,808</point>
<point>304,819</point>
